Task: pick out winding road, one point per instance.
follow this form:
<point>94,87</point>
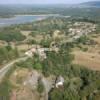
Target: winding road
<point>8,66</point>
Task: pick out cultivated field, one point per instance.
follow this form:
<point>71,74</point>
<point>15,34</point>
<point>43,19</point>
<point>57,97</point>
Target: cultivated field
<point>87,59</point>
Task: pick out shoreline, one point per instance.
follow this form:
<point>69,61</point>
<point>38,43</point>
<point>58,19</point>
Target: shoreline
<point>40,15</point>
<point>2,25</point>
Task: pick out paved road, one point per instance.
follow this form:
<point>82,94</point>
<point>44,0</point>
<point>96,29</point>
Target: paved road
<point>8,66</point>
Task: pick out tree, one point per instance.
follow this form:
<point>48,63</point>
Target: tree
<point>16,52</point>
<point>40,87</point>
<point>56,94</point>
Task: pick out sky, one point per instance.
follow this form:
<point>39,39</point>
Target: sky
<point>43,1</point>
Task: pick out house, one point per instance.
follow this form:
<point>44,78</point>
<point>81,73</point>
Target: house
<point>29,53</point>
<point>33,50</point>
<point>41,52</point>
<point>59,82</point>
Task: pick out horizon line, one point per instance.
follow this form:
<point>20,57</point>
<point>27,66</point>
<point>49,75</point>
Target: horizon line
<point>47,3</point>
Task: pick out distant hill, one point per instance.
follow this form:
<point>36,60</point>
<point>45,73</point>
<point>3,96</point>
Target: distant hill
<point>91,4</point>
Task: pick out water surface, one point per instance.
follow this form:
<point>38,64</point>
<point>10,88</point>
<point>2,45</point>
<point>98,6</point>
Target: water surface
<point>21,19</point>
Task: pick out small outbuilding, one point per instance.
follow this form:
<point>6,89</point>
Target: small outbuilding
<point>59,82</point>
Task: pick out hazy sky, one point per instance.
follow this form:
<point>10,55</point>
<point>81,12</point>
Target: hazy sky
<point>42,1</point>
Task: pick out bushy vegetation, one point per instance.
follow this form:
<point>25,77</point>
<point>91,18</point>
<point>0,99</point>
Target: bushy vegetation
<point>40,86</point>
<point>46,43</point>
<point>81,84</point>
<point>56,63</point>
<point>47,26</point>
<point>6,86</point>
<point>82,40</point>
<point>9,35</point>
<point>7,53</point>
<point>5,90</point>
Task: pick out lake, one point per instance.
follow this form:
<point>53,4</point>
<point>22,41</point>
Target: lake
<point>21,19</point>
